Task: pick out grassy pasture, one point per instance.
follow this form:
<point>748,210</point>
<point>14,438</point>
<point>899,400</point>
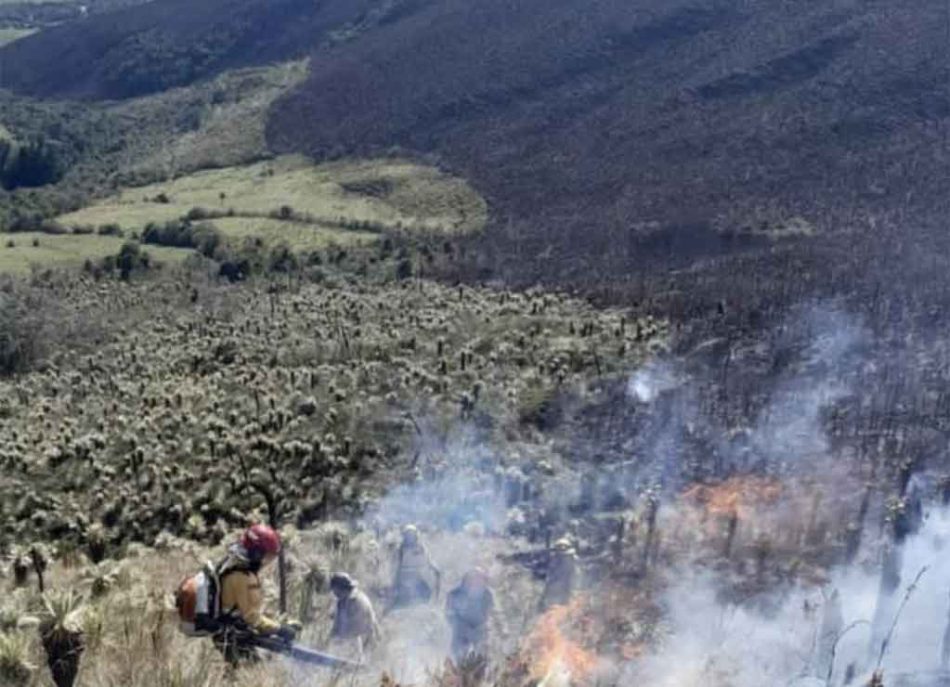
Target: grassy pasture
<point>62,250</point>
<point>296,234</point>
<point>131,217</point>
<point>387,192</point>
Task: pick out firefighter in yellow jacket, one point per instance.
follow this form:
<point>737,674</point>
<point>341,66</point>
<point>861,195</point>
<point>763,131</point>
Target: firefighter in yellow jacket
<point>242,597</point>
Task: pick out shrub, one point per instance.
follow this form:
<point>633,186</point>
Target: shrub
<point>21,334</point>
<point>198,213</point>
<point>15,666</point>
<point>404,269</point>
<point>62,636</point>
<point>206,239</point>
<point>35,164</point>
<point>182,234</point>
<point>281,259</point>
<point>111,229</point>
<point>130,258</point>
<point>51,227</point>
<point>238,266</point>
<point>539,407</point>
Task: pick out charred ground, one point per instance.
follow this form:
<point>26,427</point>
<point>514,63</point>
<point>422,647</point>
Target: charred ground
<point>161,45</point>
<point>586,124</point>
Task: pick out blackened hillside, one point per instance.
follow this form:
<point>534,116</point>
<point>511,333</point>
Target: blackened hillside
<point>169,43</point>
<point>586,121</point>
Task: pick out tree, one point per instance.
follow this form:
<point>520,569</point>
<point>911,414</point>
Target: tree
<point>35,164</point>
<point>130,258</point>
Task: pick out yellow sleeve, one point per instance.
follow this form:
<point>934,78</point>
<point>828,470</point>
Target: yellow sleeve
<point>242,592</point>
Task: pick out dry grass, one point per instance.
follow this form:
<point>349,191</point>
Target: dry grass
<point>132,638</point>
<point>64,250</point>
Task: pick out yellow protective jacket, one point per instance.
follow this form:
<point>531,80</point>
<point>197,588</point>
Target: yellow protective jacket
<point>242,593</point>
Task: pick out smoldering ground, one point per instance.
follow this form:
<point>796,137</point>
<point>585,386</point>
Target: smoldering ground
<point>759,526</point>
<point>862,597</point>
<point>807,634</point>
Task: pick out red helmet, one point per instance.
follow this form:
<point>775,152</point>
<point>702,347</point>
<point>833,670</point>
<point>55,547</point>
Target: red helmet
<point>260,541</point>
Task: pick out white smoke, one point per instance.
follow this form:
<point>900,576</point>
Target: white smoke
<point>460,511</point>
<point>796,638</point>
<point>795,635</point>
<point>800,634</point>
<point>915,646</point>
<point>647,383</point>
<point>789,430</point>
<point>822,349</point>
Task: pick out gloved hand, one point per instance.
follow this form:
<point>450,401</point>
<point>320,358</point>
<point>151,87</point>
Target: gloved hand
<point>288,633</point>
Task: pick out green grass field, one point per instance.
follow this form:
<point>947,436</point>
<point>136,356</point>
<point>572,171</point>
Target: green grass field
<point>65,250</point>
<point>219,164</point>
<point>9,35</point>
<point>386,193</point>
<point>300,236</point>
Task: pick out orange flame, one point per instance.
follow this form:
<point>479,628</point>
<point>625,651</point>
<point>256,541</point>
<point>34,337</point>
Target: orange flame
<point>549,650</point>
<point>737,497</point>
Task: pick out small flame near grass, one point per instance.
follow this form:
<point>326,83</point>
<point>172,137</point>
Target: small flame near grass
<point>556,659</point>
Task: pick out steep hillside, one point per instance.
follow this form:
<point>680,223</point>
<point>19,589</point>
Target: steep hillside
<point>742,139</point>
<point>171,43</point>
<point>34,14</point>
<point>584,122</point>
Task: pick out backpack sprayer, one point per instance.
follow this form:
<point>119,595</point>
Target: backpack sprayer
<point>302,654</point>
<point>234,629</point>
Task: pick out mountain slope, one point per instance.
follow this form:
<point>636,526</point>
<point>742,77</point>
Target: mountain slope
<point>579,120</point>
<point>168,43</point>
<point>607,135</point>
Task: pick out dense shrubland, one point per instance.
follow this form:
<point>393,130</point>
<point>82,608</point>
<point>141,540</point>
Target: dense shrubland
<point>189,393</point>
<point>168,410</point>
